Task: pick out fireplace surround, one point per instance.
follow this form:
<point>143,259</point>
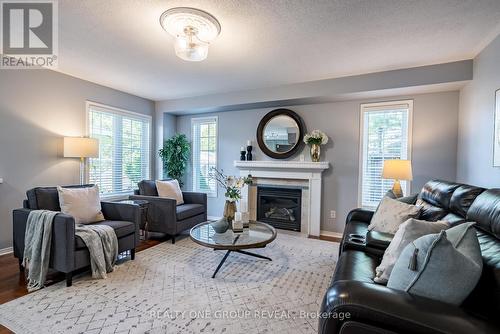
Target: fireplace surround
<point>299,174</point>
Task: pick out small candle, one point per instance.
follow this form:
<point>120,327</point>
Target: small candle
<point>242,149</point>
<point>237,216</point>
<point>245,217</point>
<point>249,143</point>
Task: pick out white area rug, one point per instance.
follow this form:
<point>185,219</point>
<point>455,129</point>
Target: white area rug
<point>169,289</point>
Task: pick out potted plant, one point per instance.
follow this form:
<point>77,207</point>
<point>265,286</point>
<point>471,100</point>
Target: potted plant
<point>175,156</point>
<point>314,140</point>
<point>232,186</point>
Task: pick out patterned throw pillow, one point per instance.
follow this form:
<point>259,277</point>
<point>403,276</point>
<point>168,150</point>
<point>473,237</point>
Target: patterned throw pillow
<point>392,213</point>
<point>444,266</point>
<point>408,232</point>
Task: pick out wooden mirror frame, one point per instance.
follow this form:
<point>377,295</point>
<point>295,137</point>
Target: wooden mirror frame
<point>262,125</point>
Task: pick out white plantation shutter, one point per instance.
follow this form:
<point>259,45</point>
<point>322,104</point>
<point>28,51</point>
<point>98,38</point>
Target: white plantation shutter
<point>386,134</point>
<point>124,149</point>
<point>204,144</point>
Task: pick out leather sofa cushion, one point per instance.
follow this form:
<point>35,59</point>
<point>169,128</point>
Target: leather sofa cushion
<point>462,199</point>
<point>378,240</point>
<point>453,219</point>
<point>122,229</point>
<point>355,265</point>
<point>47,198</point>
<point>430,212</point>
<point>486,212</point>
<point>185,211</point>
<point>438,193</point>
<point>485,298</point>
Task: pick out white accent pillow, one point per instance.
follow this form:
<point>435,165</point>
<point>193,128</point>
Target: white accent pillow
<point>170,189</point>
<point>408,232</point>
<point>392,213</point>
<point>83,204</point>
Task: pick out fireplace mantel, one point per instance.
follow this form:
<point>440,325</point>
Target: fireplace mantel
<point>291,170</point>
<point>296,165</point>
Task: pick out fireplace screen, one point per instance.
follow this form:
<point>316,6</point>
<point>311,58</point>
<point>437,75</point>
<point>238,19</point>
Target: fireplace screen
<point>279,207</point>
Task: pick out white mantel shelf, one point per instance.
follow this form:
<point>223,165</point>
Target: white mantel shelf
<point>298,165</point>
<point>290,170</point>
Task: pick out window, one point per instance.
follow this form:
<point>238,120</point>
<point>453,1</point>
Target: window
<point>124,149</point>
<point>204,133</point>
<point>385,134</point>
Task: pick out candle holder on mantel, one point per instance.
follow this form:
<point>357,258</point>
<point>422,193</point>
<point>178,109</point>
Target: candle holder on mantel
<point>243,154</point>
<point>249,153</point>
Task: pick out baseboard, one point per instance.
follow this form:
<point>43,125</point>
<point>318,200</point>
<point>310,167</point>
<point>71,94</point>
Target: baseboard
<point>6,251</point>
<point>331,234</point>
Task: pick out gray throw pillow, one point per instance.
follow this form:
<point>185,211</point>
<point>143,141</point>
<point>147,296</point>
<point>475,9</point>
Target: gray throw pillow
<point>444,266</point>
<point>390,214</point>
<point>409,231</point>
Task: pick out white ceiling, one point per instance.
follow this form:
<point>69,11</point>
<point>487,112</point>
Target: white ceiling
<point>120,43</point>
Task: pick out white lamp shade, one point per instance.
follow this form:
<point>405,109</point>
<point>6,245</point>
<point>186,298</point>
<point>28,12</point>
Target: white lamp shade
<point>397,170</point>
<point>79,147</point>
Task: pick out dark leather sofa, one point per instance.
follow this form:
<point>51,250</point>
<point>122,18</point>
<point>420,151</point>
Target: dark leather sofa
<point>68,252</point>
<point>374,308</point>
<point>165,216</point>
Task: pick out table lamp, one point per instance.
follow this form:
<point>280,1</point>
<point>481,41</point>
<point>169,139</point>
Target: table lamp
<point>81,147</point>
<point>397,170</point>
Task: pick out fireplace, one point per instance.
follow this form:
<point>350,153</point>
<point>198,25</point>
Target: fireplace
<point>279,207</point>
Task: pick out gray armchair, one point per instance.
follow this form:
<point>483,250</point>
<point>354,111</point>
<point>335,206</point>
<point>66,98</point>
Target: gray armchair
<point>165,216</point>
<point>68,252</point>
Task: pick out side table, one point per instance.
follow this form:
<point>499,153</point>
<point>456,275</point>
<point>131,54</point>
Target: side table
<point>144,207</point>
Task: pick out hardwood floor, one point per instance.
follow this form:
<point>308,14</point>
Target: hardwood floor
<point>13,283</point>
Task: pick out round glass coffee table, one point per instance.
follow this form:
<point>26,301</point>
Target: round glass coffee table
<point>257,235</point>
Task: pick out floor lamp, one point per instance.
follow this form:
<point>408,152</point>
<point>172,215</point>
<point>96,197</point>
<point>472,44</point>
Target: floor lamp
<point>397,170</point>
<point>81,147</point>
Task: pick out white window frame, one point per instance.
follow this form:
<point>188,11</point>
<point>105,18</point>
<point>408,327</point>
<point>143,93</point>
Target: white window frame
<point>124,112</point>
<point>194,187</point>
<point>365,107</point>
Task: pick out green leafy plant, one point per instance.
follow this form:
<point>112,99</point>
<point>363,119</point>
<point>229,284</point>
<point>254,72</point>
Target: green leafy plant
<point>175,156</point>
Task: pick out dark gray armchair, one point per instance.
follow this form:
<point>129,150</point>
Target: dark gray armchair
<point>68,252</point>
<point>165,216</point>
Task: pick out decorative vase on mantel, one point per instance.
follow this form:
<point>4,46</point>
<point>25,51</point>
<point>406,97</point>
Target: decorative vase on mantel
<point>315,152</point>
<point>314,140</point>
<point>229,210</point>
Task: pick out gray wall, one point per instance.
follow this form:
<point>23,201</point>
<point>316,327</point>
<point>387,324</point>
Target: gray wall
<point>37,109</point>
<point>476,121</point>
<point>435,123</point>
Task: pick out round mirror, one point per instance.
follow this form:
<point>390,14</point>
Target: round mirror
<point>280,133</point>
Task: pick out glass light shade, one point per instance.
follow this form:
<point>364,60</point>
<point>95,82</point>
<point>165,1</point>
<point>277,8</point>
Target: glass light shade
<point>397,170</point>
<point>190,48</point>
<point>80,147</point>
<point>193,30</point>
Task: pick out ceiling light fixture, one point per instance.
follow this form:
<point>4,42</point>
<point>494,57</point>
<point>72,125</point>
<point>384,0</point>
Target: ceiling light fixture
<point>193,30</point>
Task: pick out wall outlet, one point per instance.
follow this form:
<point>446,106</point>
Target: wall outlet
<point>333,214</point>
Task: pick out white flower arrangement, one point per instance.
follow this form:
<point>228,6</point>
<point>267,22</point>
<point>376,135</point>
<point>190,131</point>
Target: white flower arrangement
<point>317,137</point>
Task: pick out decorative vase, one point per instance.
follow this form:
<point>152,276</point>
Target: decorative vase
<point>229,210</point>
<point>220,226</point>
<point>315,152</point>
